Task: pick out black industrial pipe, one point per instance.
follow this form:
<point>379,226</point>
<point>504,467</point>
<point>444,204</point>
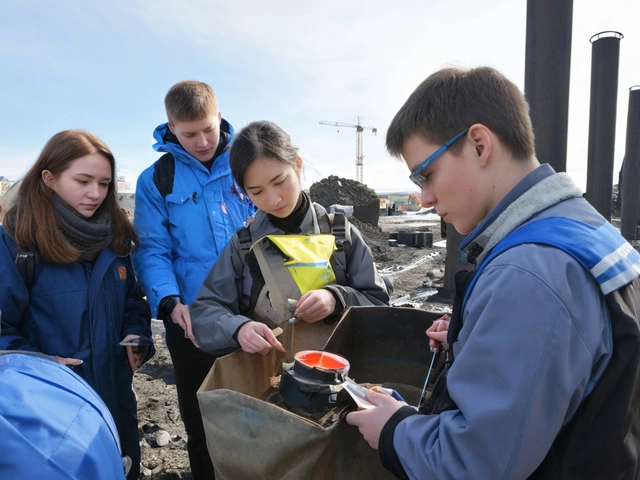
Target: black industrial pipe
<point>546,77</point>
<point>452,262</point>
<point>605,55</point>
<point>630,185</point>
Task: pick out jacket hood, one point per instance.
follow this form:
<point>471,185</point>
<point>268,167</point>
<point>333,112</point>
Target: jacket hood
<point>168,143</point>
<point>538,191</point>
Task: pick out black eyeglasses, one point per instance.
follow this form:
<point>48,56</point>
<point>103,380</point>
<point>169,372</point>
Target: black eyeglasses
<point>416,175</point>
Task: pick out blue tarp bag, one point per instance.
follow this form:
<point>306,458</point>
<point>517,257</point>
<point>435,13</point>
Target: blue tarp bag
<point>53,425</point>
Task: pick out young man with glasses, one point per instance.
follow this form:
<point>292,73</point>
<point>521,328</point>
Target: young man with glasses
<point>535,374</point>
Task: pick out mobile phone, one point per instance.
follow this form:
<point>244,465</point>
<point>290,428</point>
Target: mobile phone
<point>136,346</point>
<point>137,342</point>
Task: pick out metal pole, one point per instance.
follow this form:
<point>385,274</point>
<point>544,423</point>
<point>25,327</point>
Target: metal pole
<point>629,186</point>
<point>546,78</point>
<point>359,155</point>
<point>602,119</point>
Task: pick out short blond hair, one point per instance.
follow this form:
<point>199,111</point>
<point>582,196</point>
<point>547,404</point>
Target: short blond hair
<point>190,100</point>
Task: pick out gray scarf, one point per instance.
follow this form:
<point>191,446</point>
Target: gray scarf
<point>89,236</point>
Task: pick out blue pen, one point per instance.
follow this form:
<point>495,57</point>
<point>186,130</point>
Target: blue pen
<point>426,382</point>
<point>389,391</point>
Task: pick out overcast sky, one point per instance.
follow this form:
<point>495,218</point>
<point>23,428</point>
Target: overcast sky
<point>106,66</point>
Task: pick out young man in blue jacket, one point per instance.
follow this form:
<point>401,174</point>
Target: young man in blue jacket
<point>533,339</point>
<point>187,208</point>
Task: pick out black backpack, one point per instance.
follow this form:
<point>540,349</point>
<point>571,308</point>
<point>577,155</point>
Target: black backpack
<point>163,173</point>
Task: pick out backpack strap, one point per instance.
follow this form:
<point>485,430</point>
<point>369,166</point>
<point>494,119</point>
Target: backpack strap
<point>570,236</point>
<point>325,224</point>
<point>26,264</point>
<point>25,261</point>
<point>342,232</point>
<point>244,242</point>
<point>337,225</point>
<point>163,173</point>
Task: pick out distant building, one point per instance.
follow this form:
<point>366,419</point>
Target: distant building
<point>126,187</point>
<point>5,183</point>
<point>408,202</point>
<point>387,207</point>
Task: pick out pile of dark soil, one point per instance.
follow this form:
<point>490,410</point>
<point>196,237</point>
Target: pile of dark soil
<point>343,191</point>
<point>370,233</point>
<point>377,240</point>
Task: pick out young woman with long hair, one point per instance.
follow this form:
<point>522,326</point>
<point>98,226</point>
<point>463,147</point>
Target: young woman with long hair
<point>80,297</point>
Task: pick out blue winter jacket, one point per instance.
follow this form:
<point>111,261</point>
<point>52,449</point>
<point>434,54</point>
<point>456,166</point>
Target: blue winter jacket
<point>79,312</point>
<point>536,338</point>
<point>70,435</point>
<point>182,235</point>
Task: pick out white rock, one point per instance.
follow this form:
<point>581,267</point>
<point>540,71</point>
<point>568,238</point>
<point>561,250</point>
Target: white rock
<point>163,438</point>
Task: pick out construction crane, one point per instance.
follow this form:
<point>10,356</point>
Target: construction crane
<point>359,129</point>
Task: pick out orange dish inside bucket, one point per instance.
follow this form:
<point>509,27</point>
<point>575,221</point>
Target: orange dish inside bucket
<point>323,360</point>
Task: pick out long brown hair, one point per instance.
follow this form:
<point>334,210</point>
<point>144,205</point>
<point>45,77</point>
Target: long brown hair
<point>36,227</point>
